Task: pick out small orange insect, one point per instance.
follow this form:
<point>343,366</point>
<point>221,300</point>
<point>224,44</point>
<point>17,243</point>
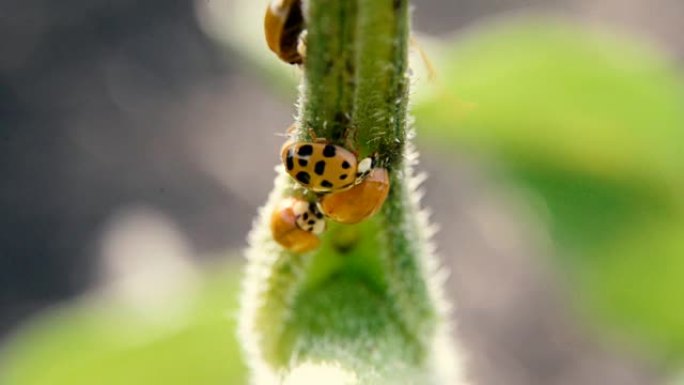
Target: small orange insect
<point>296,224</point>
<point>359,202</point>
<point>283,26</point>
<point>323,167</point>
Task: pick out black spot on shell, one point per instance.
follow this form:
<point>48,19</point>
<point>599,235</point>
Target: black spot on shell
<point>302,162</point>
<point>329,151</point>
<point>312,207</point>
<point>343,176</point>
<point>319,215</point>
<point>311,222</point>
<point>325,183</point>
<point>289,162</point>
<point>306,216</point>
<point>319,168</point>
<point>345,165</point>
<point>305,150</point>
<point>303,177</point>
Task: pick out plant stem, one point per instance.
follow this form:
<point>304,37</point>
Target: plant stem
<point>367,300</point>
<point>327,93</point>
<point>380,116</point>
<point>382,84</point>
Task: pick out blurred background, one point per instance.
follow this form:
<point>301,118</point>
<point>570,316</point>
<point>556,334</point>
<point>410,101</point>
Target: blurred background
<point>138,139</point>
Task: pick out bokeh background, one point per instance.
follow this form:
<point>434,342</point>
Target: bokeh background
<point>138,139</point>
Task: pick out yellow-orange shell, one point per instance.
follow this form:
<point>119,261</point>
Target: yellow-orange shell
<point>320,167</point>
<point>286,232</point>
<point>283,23</point>
<point>359,202</point>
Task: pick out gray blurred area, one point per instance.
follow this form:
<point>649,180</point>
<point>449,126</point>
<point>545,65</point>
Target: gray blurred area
<point>108,107</point>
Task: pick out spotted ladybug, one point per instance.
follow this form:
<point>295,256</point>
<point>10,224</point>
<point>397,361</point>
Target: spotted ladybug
<point>283,26</point>
<point>296,224</point>
<point>359,202</point>
<point>321,167</point>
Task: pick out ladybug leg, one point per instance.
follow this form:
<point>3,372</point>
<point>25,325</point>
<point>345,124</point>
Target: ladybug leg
<point>291,131</point>
<point>349,141</point>
<point>427,63</point>
<point>315,138</point>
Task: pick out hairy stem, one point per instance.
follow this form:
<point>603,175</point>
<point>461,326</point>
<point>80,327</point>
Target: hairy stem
<point>380,116</point>
<point>367,305</point>
<point>382,85</point>
<point>327,94</point>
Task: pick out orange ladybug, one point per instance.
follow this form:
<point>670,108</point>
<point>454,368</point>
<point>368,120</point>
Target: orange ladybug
<point>283,26</point>
<point>323,167</point>
<point>359,202</point>
<point>296,224</point>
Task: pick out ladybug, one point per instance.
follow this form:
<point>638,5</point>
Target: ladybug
<point>283,26</point>
<point>359,202</point>
<point>296,224</point>
<point>323,167</point>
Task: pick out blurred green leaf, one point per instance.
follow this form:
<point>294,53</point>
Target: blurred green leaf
<point>95,342</point>
<point>593,124</point>
<point>546,91</point>
<point>636,283</point>
<point>587,211</point>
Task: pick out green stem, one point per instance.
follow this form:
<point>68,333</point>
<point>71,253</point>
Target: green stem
<point>327,94</point>
<point>367,300</point>
<point>380,116</point>
<point>382,84</point>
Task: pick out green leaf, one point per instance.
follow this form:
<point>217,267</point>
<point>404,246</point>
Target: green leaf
<point>591,123</point>
<point>545,91</point>
<point>636,284</point>
<point>98,341</point>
